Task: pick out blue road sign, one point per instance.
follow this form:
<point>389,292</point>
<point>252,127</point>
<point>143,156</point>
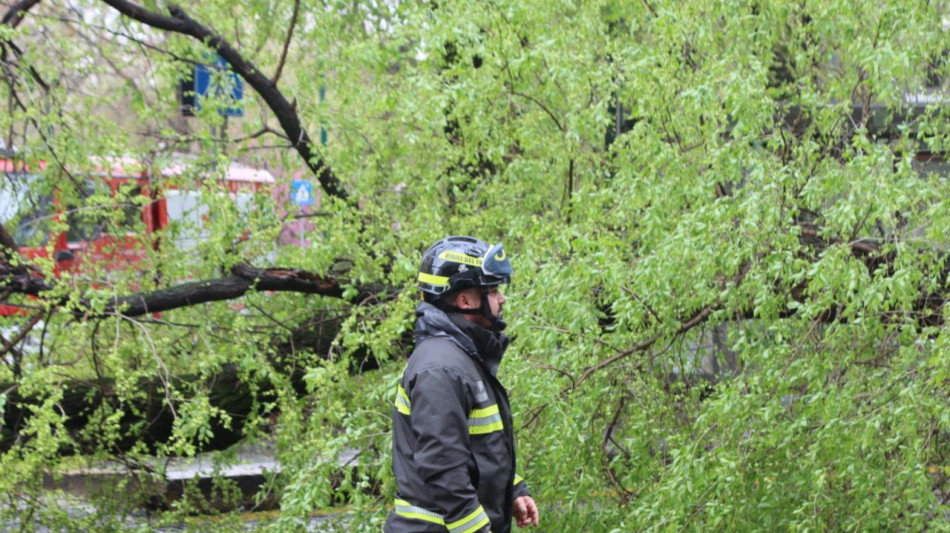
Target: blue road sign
<point>301,192</point>
<point>218,80</point>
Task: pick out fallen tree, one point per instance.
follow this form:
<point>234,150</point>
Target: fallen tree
<point>768,194</point>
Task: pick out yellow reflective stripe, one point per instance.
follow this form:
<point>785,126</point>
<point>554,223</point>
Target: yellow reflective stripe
<point>441,281</point>
<point>470,523</point>
<point>483,430</point>
<point>518,479</point>
<point>485,411</point>
<point>485,420</point>
<point>404,508</point>
<point>402,401</point>
<point>459,257</point>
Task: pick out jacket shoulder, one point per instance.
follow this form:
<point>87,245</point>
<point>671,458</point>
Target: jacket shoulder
<point>439,352</point>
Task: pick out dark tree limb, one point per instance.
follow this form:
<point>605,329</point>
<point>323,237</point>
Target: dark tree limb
<point>243,278</point>
<point>622,492</point>
<point>14,16</point>
<point>7,244</point>
<point>284,111</point>
<point>21,278</point>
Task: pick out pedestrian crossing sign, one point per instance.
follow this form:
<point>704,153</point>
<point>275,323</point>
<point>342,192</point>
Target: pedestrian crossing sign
<point>301,192</point>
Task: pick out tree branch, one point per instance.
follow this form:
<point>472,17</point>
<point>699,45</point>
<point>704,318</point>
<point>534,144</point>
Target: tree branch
<point>695,320</point>
<point>622,492</point>
<point>7,244</point>
<point>290,34</point>
<point>15,15</point>
<point>284,111</point>
<point>24,331</point>
<point>540,104</point>
<point>23,279</point>
<point>243,278</point>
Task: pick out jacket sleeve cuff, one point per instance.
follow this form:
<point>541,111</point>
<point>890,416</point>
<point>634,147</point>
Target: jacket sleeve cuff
<point>473,522</point>
<point>521,488</point>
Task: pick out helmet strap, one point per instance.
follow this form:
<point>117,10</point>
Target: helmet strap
<point>496,324</point>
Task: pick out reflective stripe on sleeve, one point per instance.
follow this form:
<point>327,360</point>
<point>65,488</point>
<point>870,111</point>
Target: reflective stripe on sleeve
<point>404,508</point>
<point>518,479</point>
<point>485,420</point>
<point>402,401</point>
<point>471,523</point>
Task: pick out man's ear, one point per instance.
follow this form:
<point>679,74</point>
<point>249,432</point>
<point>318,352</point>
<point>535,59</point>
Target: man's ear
<point>465,300</point>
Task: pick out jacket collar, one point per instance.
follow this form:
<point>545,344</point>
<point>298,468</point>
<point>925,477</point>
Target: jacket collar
<point>479,343</point>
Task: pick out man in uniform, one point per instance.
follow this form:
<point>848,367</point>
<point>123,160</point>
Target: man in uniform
<point>453,442</point>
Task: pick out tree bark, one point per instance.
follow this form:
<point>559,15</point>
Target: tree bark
<point>23,280</point>
<point>243,278</point>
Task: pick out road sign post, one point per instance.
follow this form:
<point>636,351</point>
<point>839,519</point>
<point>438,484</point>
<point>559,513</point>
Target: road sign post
<point>301,194</point>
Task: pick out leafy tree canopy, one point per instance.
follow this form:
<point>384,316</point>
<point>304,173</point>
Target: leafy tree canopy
<point>727,219</point>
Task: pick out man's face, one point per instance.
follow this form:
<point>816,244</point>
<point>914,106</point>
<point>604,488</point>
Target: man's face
<point>472,299</point>
<point>495,301</point>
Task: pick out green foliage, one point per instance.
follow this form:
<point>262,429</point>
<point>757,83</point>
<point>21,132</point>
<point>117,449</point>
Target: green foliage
<point>728,316</point>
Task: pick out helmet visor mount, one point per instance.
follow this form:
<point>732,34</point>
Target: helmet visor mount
<point>495,263</point>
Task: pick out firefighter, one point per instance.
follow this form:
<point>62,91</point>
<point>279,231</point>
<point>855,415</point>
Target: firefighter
<point>453,441</point>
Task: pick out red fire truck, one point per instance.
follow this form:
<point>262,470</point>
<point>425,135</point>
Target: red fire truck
<point>120,209</point>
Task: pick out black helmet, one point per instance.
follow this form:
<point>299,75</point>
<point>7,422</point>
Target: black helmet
<point>458,262</point>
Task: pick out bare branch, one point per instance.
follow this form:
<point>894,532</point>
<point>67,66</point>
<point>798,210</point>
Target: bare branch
<point>649,7</point>
<point>290,34</point>
<point>24,331</point>
<point>264,130</point>
<point>540,104</point>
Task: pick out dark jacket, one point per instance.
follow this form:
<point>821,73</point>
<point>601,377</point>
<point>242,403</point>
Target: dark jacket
<point>453,445</point>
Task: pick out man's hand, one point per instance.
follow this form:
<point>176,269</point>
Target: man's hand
<point>525,511</point>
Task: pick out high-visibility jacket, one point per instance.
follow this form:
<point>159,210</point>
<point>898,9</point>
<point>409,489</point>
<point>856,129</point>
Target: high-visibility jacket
<point>453,444</point>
